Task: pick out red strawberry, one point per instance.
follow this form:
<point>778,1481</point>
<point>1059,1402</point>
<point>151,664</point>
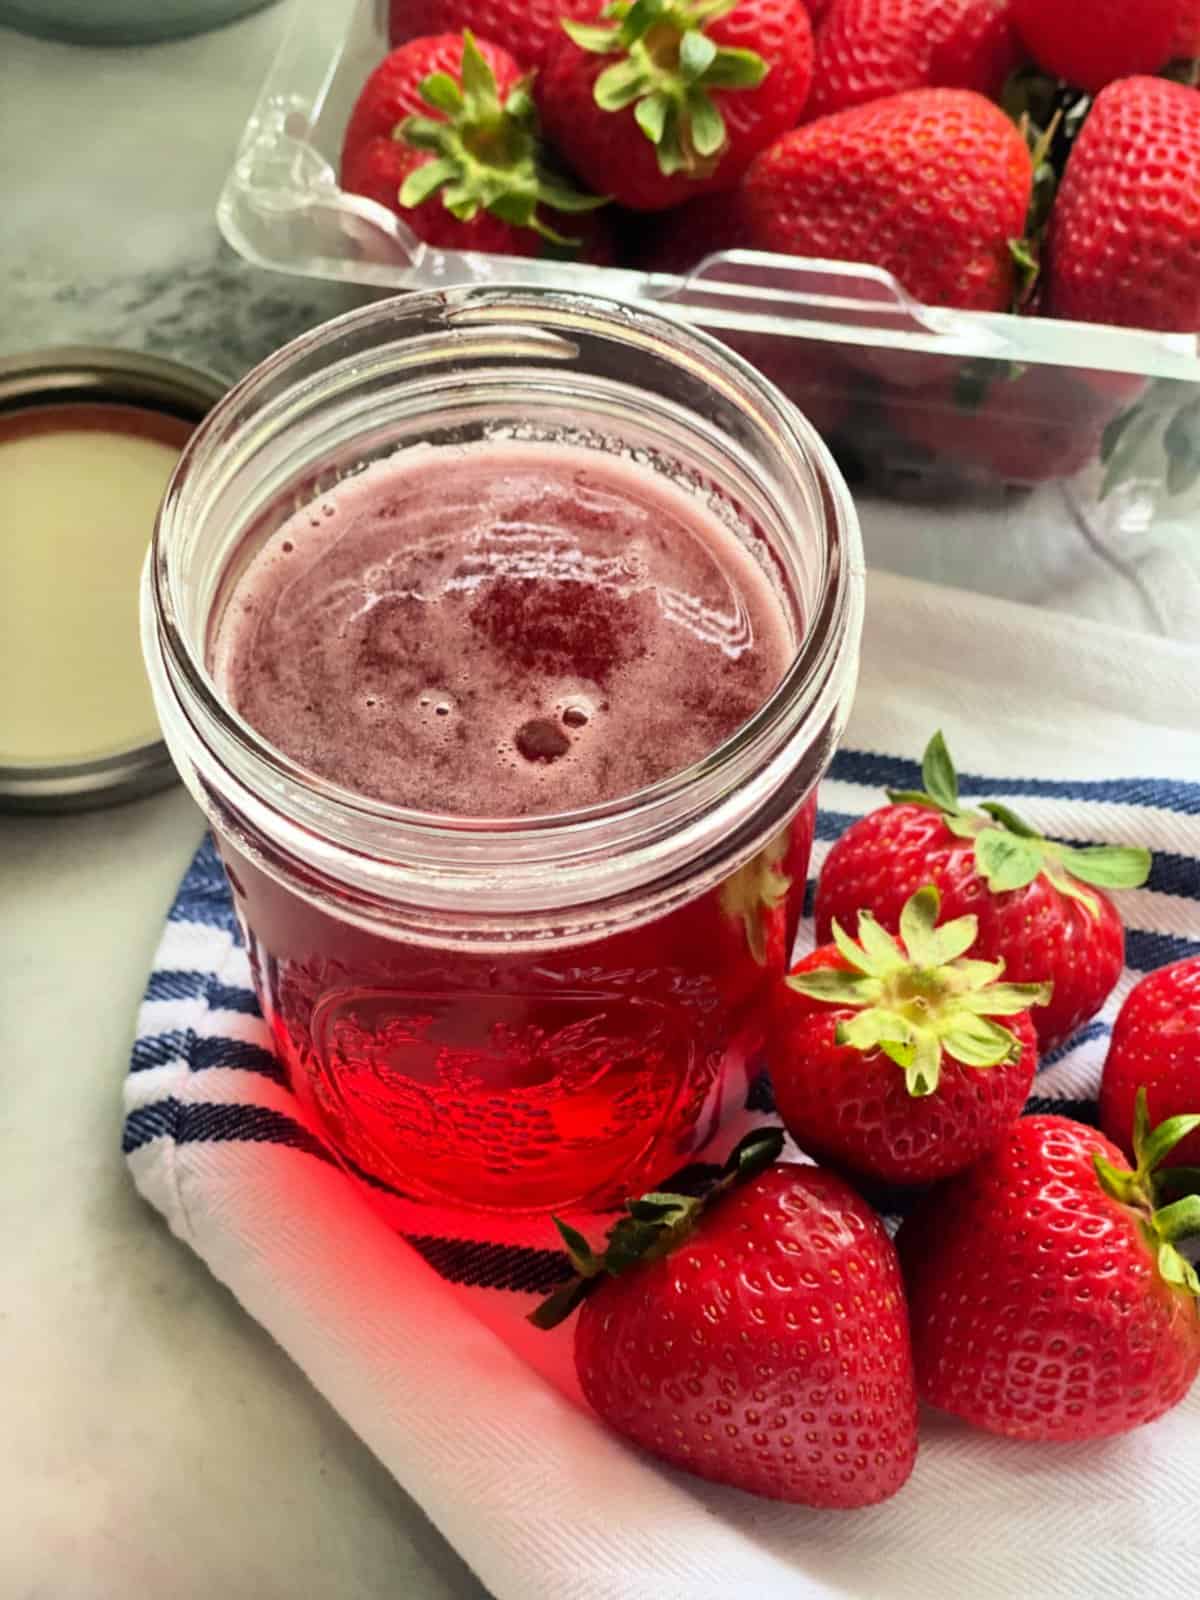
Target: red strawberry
<point>662,100</point>
<point>1047,1298</point>
<point>1024,426</point>
<point>1125,233</point>
<point>527,29</point>
<point>1156,1046</point>
<point>768,1351</point>
<point>882,1056</point>
<point>444,133</point>
<point>1113,39</point>
<point>1041,907</point>
<point>930,185</point>
<point>867,49</point>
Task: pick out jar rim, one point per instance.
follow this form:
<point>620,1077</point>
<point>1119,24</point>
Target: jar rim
<point>545,839</point>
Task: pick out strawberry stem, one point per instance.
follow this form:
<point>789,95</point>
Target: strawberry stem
<point>652,1227</point>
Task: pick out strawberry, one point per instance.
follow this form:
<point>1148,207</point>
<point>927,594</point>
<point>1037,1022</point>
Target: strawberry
<point>444,134</point>
<point>1125,233</point>
<point>883,1057</point>
<point>1048,1299</point>
<point>1040,905</point>
<point>930,185</point>
<point>1156,1046</point>
<point>661,100</point>
<point>757,1339</point>
<point>527,29</point>
<point>1115,39</point>
<point>867,49</point>
<point>1023,426</point>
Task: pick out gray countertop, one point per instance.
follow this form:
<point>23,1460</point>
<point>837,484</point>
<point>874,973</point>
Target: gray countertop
<point>156,1442</point>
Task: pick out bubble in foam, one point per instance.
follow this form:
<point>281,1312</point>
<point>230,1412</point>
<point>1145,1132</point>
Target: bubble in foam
<point>576,716</point>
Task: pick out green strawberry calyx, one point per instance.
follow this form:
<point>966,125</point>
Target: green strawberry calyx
<point>667,70</point>
<point>1009,854</point>
<point>1145,1188</point>
<point>651,1228</point>
<point>486,152</point>
<point>919,996</point>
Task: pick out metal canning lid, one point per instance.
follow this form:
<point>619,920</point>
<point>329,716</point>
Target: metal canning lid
<point>72,376</point>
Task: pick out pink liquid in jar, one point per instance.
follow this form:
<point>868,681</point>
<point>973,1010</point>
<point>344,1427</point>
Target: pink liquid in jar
<point>509,630</point>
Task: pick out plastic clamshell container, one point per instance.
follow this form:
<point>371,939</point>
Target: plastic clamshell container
<point>945,421</point>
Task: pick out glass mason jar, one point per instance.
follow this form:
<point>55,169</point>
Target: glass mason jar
<point>539,1012</point>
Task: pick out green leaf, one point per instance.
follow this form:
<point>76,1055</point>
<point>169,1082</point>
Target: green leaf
<point>911,797</point>
<point>754,1153</point>
<point>1107,866</point>
<point>735,69</point>
<point>1007,999</point>
<point>854,954</point>
<point>621,84</point>
<point>873,1028</point>
<point>833,987</point>
<point>478,80</point>
<point>651,114</point>
<point>938,774</point>
<point>976,1042</point>
<point>640,18</point>
<point>1005,862</point>
<point>440,91</point>
<point>1181,1220</point>
<point>1024,256</point>
<point>921,1073</point>
<point>426,180</point>
<point>596,39</point>
<point>1121,1184</point>
<point>972,975</point>
<point>1010,819</point>
<point>706,123</point>
<point>558,1306</point>
<point>1176,1270</point>
<point>1156,1146</point>
<point>961,826</point>
<point>672,157</point>
<point>560,196</point>
<point>578,1250</point>
<point>952,940</point>
<point>697,52</point>
<point>883,954</point>
<point>1141,1122</point>
<point>424,133</point>
<point>918,919</point>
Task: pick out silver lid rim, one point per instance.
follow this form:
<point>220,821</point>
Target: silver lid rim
<point>66,375</point>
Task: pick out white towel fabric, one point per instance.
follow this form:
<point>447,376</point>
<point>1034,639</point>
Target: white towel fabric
<point>413,1326</point>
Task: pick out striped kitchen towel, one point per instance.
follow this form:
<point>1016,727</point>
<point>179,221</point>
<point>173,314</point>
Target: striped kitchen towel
<point>411,1320</point>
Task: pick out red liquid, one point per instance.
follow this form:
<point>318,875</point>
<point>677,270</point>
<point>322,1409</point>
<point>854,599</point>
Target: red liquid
<point>511,630</point>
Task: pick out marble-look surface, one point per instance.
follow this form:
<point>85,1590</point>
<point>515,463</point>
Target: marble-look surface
<point>155,1441</point>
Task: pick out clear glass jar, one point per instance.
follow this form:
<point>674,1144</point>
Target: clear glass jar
<point>545,1011</point>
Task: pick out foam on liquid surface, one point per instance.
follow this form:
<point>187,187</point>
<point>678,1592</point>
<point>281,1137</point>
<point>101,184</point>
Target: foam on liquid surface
<point>501,630</point>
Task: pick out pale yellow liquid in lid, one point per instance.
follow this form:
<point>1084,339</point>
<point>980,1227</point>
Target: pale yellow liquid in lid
<point>80,486</point>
